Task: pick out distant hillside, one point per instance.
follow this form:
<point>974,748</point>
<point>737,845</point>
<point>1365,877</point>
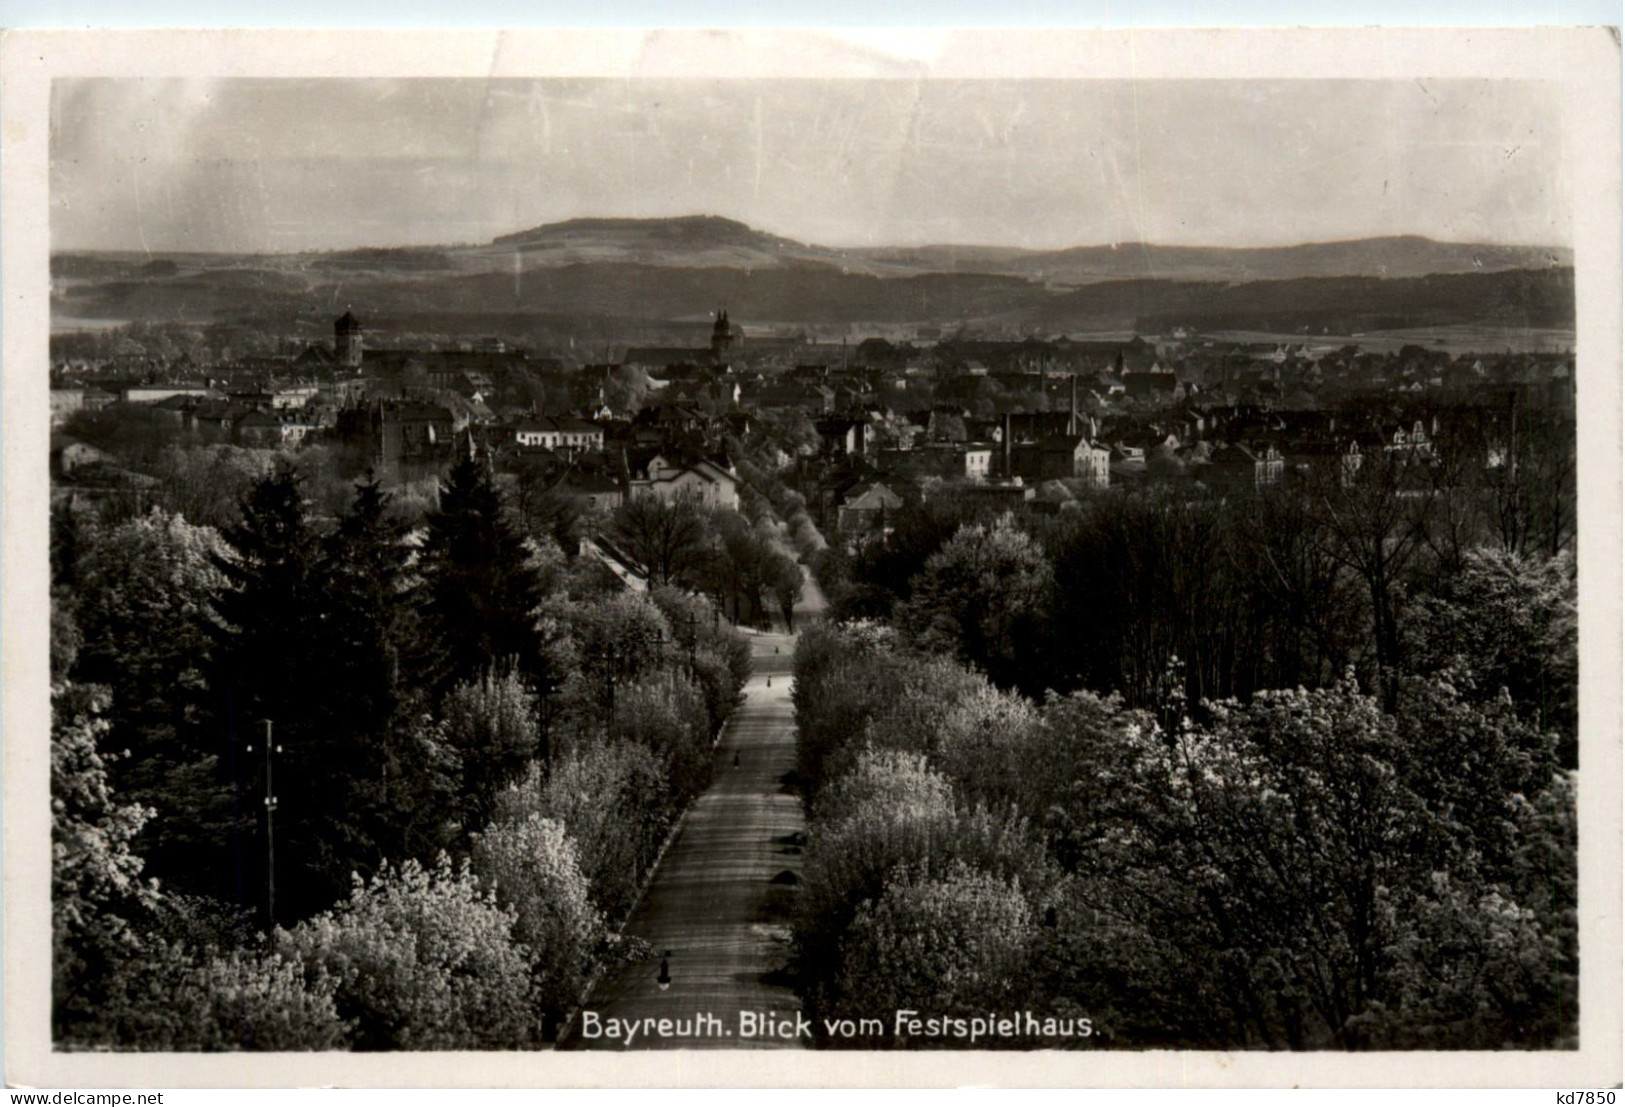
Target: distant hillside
<point>681,268</point>
<point>690,242</point>
<point>1403,256</point>
<point>814,293</point>
<point>705,241</point>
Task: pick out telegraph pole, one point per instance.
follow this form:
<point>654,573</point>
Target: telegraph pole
<point>270,827</point>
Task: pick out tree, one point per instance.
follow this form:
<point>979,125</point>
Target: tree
<point>96,882</point>
<point>977,595</point>
<point>1374,522</point>
<point>206,483</point>
<point>843,672</point>
<point>617,640</point>
<point>1532,490</point>
<point>490,726</point>
<point>612,799</point>
<point>955,945</point>
<point>905,707</point>
<point>716,655</point>
<point>144,591</point>
<point>1506,621</point>
<point>480,588</point>
<point>785,579</point>
<point>373,650</point>
<point>423,959</point>
<point>742,562</point>
<point>269,667</point>
<point>177,998</point>
<point>1264,879</point>
<point>992,745</point>
<point>883,573</point>
<point>665,712</point>
<point>893,814</point>
<point>532,867</point>
<point>882,816</point>
<point>666,537</point>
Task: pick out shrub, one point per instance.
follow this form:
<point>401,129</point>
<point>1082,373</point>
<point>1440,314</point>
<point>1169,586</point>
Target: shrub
<point>531,866</point>
<point>957,944</point>
<point>612,799</point>
<point>423,959</point>
<point>173,997</point>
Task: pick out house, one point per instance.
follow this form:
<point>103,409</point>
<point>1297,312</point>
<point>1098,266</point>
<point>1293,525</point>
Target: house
<point>846,437</point>
<point>711,482</point>
<point>1153,385</point>
<point>1238,467</point>
<point>973,461</point>
<point>565,434</point>
<point>1060,456</point>
<point>867,509</point>
<point>258,428</point>
<point>70,454</point>
<point>978,460</point>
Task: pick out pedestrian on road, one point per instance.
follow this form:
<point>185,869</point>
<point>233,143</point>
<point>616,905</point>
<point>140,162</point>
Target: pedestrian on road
<point>736,759</point>
<point>770,682</point>
<point>664,979</point>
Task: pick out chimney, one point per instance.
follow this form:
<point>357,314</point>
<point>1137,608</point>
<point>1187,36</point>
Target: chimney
<point>1072,419</point>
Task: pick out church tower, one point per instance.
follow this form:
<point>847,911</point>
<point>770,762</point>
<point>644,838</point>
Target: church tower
<point>347,340</point>
<point>721,338</point>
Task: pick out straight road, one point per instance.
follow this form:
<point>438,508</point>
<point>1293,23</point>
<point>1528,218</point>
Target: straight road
<point>720,901</point>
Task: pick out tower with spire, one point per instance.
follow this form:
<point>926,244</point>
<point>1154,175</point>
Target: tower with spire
<point>721,338</point>
<point>347,340</point>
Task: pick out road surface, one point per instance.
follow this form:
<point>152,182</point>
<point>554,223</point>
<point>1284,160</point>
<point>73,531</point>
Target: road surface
<point>720,900</point>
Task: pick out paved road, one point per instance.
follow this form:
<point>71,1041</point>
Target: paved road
<point>720,900</point>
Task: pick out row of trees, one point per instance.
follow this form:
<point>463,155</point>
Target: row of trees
<point>739,558</point>
<point>1308,870</point>
<point>477,742</point>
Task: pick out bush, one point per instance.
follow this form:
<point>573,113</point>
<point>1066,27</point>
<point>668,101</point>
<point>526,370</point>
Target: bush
<point>843,672</point>
<point>613,801</point>
<point>491,724</point>
<point>955,945</point>
<point>173,997</point>
<point>665,713</point>
<point>531,866</point>
<point>423,959</point>
<point>884,816</point>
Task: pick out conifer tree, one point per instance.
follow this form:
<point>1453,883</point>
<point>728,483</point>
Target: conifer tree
<point>373,651</point>
<point>272,669</point>
<point>481,591</point>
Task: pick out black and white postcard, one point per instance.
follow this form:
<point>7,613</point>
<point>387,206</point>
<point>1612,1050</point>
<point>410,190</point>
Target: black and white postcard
<point>940,557</point>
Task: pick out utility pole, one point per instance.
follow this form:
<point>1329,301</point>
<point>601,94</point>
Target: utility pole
<point>270,827</point>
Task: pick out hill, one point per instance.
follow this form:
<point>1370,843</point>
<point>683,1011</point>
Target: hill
<point>679,269</point>
<point>1400,256</point>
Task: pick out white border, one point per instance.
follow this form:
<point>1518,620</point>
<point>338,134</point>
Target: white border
<point>1585,64</point>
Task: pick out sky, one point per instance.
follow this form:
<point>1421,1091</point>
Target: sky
<point>286,165</point>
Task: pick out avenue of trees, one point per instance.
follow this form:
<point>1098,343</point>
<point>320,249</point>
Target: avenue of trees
<point>1286,771</point>
<point>478,743</point>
